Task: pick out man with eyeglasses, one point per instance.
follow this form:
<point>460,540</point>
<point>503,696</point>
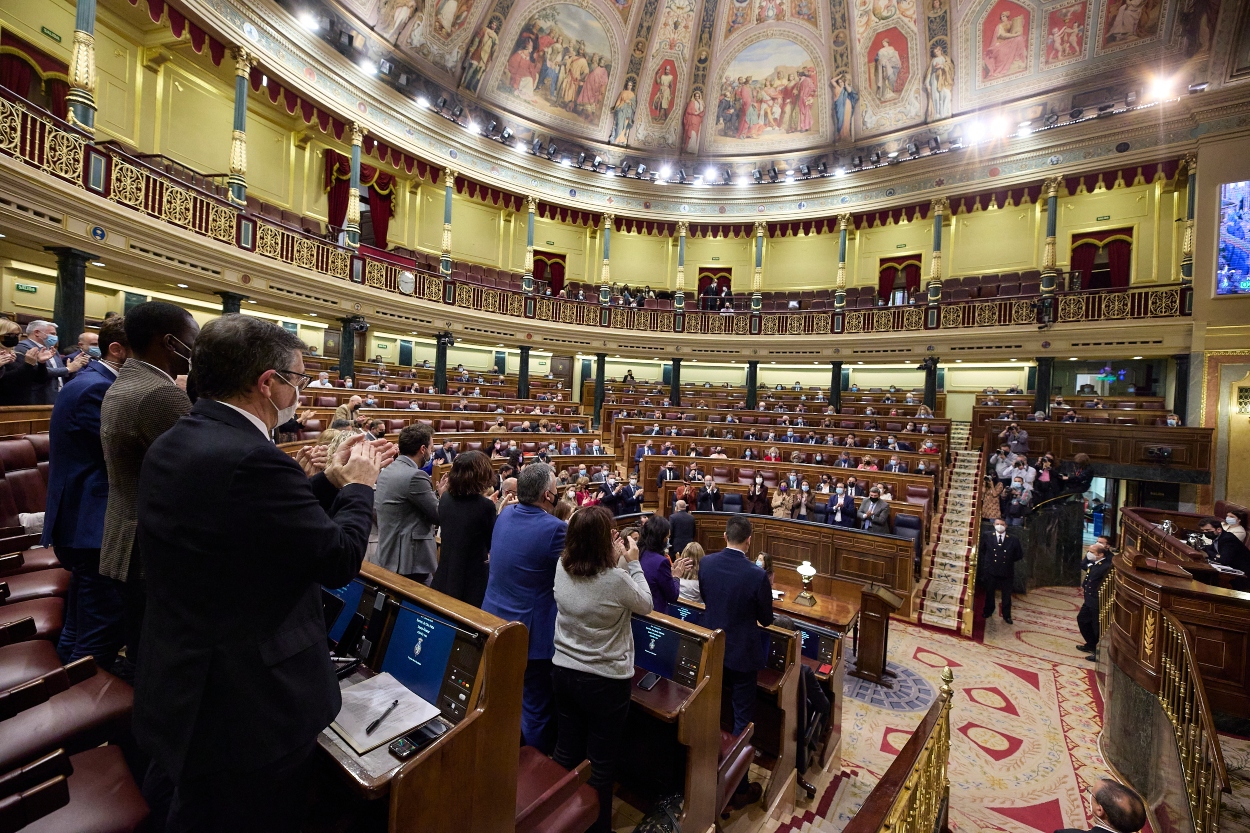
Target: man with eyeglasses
<point>238,538</point>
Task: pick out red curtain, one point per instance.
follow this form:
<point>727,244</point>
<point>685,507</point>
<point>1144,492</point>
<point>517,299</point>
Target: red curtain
<point>1083,261</point>
<point>380,211</point>
<point>16,74</point>
<point>557,275</point>
<point>885,280</point>
<point>336,197</point>
<point>911,274</point>
<point>1119,258</point>
<point>57,103</point>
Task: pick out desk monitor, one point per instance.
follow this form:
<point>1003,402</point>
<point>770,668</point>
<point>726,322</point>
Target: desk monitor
<point>433,658</point>
<point>818,643</point>
<point>350,597</point>
<point>685,612</point>
<point>666,651</point>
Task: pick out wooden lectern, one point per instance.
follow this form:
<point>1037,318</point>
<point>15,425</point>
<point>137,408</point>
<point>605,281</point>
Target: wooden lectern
<point>876,603</point>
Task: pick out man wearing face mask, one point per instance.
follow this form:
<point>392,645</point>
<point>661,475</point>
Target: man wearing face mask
<point>874,513</point>
<point>77,495</point>
<point>144,402</point>
<point>710,498</point>
<point>631,497</point>
<point>525,547</point>
<point>42,335</point>
<point>1225,548</point>
<point>999,554</point>
<point>1097,565</point>
<point>406,506</point>
<point>237,539</point>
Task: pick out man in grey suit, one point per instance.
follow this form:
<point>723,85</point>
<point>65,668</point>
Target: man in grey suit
<point>406,505</point>
<point>142,404</point>
<point>874,513</point>
<point>40,335</point>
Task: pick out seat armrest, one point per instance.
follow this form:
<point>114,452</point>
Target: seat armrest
<point>22,809</point>
<point>11,562</point>
<point>35,773</point>
<point>547,803</point>
<point>12,531</point>
<point>741,743</point>
<point>41,689</point>
<point>19,543</point>
<point>20,630</point>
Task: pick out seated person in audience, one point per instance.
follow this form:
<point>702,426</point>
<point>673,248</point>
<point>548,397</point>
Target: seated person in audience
<point>854,487</point>
<point>867,463</point>
<point>820,396</point>
<point>924,412</point>
<point>596,448</point>
<point>672,431</point>
<point>781,408</point>
<point>895,465</point>
<point>929,447</point>
<point>719,452</point>
<point>797,386</point>
<point>797,457</point>
<point>347,411</point>
<point>895,444</point>
<point>728,434</point>
<point>375,429</point>
<point>844,461</point>
<point>1173,421</point>
<point>827,422</point>
<point>910,427</point>
<point>750,434</point>
<point>893,412</point>
<point>888,399</point>
<point>701,406</point>
<point>694,474</point>
<point>376,386</point>
<point>749,453</point>
<point>1016,503</point>
<point>1235,522</point>
<point>854,388</point>
<point>526,427</point>
<point>1008,414</point>
<point>772,455</point>
<point>477,391</point>
<point>825,486</point>
<point>1014,389</point>
<point>573,447</point>
<point>841,506</point>
<point>818,458</point>
<point>708,431</point>
<point>803,501</point>
<point>1097,404</point>
<point>446,453</point>
<point>783,500</point>
<point>693,451</point>
<point>585,494</point>
<point>874,513</point>
<point>792,477</point>
<point>1070,416</point>
<point>877,442</point>
<point>1039,416</point>
<point>348,382</point>
<point>730,418</point>
<point>756,501</point>
<point>460,405</point>
<point>870,425</point>
<point>886,494</point>
<point>925,468</point>
<point>710,498</point>
<point>991,402</point>
<point>850,441</point>
<point>322,381</point>
<point>668,449</point>
<point>653,431</point>
<point>870,411</point>
<point>770,437</point>
<point>1225,548</point>
<point>910,399</point>
<point>544,427</point>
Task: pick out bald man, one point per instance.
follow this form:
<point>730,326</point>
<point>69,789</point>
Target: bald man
<point>1116,808</point>
<point>347,411</point>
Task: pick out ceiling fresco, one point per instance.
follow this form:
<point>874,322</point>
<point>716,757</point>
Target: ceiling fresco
<point>750,79</point>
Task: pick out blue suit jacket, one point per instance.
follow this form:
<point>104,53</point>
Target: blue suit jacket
<point>848,509</point>
<point>78,486</point>
<point>525,546</point>
<point>737,595</point>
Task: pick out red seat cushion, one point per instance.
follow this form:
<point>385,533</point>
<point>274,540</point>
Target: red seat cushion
<point>536,774</point>
<point>49,615</point>
<point>38,558</point>
<point>93,712</point>
<point>37,584</point>
<point>103,797</point>
<point>24,661</point>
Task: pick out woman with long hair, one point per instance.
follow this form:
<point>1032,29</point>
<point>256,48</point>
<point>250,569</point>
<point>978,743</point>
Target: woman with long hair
<point>467,520</point>
<point>663,577</point>
<point>690,591</point>
<point>593,666</point>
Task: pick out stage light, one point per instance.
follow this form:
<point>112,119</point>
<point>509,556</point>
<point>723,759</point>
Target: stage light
<point>642,171</point>
<point>581,159</point>
<point>472,126</point>
<point>1000,127</point>
<point>727,176</point>
<point>1025,128</point>
<point>455,114</point>
<point>874,158</point>
<point>1075,113</point>
<point>1200,87</point>
<point>368,67</point>
<point>666,172</point>
<point>309,21</point>
<point>551,150</point>
<point>806,171</point>
<point>490,128</point>
<point>857,161</point>
<point>598,161</point>
<point>975,133</point>
<point>935,144</point>
<point>1105,110</point>
<point>626,167</point>
<point>442,102</point>
<point>1052,119</point>
<point>709,174</point>
<point>422,101</point>
<point>566,162</point>
<point>681,175</point>
<point>1160,89</point>
<point>822,168</point>
<point>744,180</point>
<point>538,146</point>
<point>773,174</point>
<point>506,134</point>
<point>758,175</point>
<point>840,172</point>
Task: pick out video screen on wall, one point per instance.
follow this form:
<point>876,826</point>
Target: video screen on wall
<point>1233,271</point>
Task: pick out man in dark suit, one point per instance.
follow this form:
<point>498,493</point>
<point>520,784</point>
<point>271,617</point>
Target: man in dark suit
<point>681,526</point>
<point>1116,808</point>
<point>738,597</point>
<point>710,499</point>
<point>78,489</point>
<point>1223,547</point>
<point>669,472</point>
<point>644,450</point>
<point>1097,564</point>
<point>235,681</point>
<point>999,554</point>
<point>42,335</point>
<point>895,465</point>
<point>445,453</point>
<point>145,401</point>
<point>596,448</point>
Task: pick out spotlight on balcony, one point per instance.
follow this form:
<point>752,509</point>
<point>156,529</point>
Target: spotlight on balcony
<point>538,146</point>
<point>626,167</point>
<point>857,161</point>
<point>457,113</point>
<point>773,174</point>
<point>681,175</point>
<point>506,134</point>
<point>822,168</point>
<point>490,127</point>
<point>913,149</point>
<point>805,171</point>
<point>1105,110</point>
<point>441,103</point>
<point>874,158</point>
<point>1200,87</point>
<point>727,176</point>
<point>595,165</point>
<point>1075,113</point>
<point>935,144</point>
<point>551,150</point>
<point>1052,119</point>
<point>758,175</point>
<point>642,171</point>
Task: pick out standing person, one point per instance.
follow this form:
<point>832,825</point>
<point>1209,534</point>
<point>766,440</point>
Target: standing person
<point>468,519</point>
<point>999,552</point>
<point>1097,565</point>
<point>874,513</point>
<point>525,547</point>
<point>41,336</point>
<point>738,596</point>
<point>710,498</point>
<point>594,648</point>
<point>78,489</point>
<point>757,501</point>
<point>841,507</point>
<point>147,398</point>
<point>663,577</point>
<point>235,681</point>
<point>18,374</point>
<point>683,527</point>
<point>406,506</point>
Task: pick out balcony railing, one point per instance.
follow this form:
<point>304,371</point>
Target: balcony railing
<point>40,140</point>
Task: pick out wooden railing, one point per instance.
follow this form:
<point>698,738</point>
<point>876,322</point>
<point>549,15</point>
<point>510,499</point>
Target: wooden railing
<point>1184,700</point>
<point>46,143</point>
<point>913,796</point>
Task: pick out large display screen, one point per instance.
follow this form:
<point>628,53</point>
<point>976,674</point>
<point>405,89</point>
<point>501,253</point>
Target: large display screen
<point>655,647</point>
<point>1232,276</point>
<point>418,651</point>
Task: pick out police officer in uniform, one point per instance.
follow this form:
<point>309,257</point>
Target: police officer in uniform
<point>1098,564</point>
<point>999,554</point>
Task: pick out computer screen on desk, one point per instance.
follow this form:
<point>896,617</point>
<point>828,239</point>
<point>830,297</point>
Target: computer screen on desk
<point>418,651</point>
<point>655,647</point>
<point>685,612</point>
<point>818,643</point>
<point>350,595</point>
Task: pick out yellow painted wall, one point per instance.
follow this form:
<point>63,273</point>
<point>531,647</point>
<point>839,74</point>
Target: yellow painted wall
<point>883,242</point>
<point>733,253</point>
<point>642,260</point>
<point>549,236</point>
<point>993,241</point>
<point>801,262</point>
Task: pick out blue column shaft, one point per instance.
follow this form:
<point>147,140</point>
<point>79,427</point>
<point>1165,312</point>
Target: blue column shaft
<point>84,16</point>
<point>1052,221</point>
<point>842,246</point>
<point>681,250</point>
<point>355,180</point>
<point>529,229</point>
<point>240,103</point>
<point>447,202</point>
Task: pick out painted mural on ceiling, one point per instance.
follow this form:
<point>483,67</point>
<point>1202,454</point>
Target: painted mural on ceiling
<point>740,78</point>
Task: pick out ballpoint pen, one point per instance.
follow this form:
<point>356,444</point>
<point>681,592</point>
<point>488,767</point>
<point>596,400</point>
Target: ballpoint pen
<point>375,724</point>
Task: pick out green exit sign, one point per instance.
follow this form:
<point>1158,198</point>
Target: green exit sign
<point>901,246</point>
<point>49,33</point>
<point>26,287</point>
<point>551,242</point>
<point>716,258</point>
<point>1104,217</point>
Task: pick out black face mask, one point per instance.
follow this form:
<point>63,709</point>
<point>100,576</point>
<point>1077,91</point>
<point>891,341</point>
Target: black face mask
<point>10,340</point>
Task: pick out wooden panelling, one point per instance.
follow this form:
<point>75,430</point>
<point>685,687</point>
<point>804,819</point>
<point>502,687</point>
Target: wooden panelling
<point>1124,445</point>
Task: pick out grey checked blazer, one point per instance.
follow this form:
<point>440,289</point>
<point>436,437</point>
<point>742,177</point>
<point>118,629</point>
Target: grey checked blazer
<point>407,511</point>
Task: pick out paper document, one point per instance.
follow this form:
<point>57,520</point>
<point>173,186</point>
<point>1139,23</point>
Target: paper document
<point>1230,571</point>
<point>365,702</point>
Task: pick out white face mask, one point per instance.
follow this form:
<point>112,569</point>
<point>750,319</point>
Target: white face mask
<point>1231,520</point>
<point>759,480</point>
<point>1017,484</point>
<point>841,490</point>
<point>999,528</point>
<point>286,414</point>
<point>805,487</point>
<point>1091,556</point>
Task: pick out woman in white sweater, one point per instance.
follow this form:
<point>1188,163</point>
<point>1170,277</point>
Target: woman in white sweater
<point>594,660</point>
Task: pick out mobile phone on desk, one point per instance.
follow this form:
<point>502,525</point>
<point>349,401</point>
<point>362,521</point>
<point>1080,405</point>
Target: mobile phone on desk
<point>649,681</point>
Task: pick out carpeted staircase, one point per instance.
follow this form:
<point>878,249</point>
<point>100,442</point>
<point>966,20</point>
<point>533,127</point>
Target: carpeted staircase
<point>946,583</point>
<point>833,808</point>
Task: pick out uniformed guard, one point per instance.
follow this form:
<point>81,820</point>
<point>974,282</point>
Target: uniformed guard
<point>999,554</point>
<point>1097,565</point>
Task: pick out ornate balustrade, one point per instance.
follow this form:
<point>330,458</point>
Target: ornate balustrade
<point>40,140</point>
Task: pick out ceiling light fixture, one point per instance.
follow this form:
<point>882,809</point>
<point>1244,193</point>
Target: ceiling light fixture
<point>551,150</point>
<point>840,172</point>
<point>758,175</point>
<point>581,159</point>
<point>874,158</point>
<point>1075,113</point>
<point>773,174</point>
<point>423,102</point>
<point>183,286</point>
<point>506,134</point>
<point>99,263</point>
<point>309,21</point>
<point>368,67</point>
<point>822,168</point>
<point>1200,87</point>
<point>806,171</point>
<point>709,174</point>
<point>857,161</point>
<point>681,175</point>
<point>490,128</point>
<point>727,176</point>
<point>642,171</point>
<point>1052,119</point>
<point>666,172</point>
<point>626,167</point>
<point>457,113</point>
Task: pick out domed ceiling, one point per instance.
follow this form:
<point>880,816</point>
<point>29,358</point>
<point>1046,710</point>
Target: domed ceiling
<point>754,78</point>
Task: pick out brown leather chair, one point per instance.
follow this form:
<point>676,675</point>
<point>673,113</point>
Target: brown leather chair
<point>91,791</point>
<point>37,584</point>
<point>21,473</point>
<point>401,404</point>
<point>746,476</point>
<point>736,754</point>
<point>720,474</point>
<point>552,799</point>
<point>22,657</point>
<point>75,707</point>
<point>326,401</point>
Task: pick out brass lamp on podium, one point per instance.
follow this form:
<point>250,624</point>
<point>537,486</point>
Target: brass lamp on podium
<point>806,572</point>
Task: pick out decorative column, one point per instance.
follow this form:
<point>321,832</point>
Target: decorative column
<point>753,373</point>
<point>679,300</point>
<point>937,208</point>
<point>231,302</point>
<point>674,383</point>
<point>757,277</point>
<point>82,78</point>
<point>523,373</point>
<point>839,292</point>
<point>237,179</point>
<point>1187,243</point>
<point>1050,272</point>
<point>835,386</point>
<point>930,366</point>
<point>441,343</point>
<point>605,275</point>
<point>69,307</point>
<point>527,279</point>
<point>1041,387</point>
<point>444,261</point>
<point>351,225</point>
<point>347,348</point>
<point>1180,389</point>
<point>601,361</point>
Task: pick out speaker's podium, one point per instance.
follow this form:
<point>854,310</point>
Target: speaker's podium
<point>876,603</point>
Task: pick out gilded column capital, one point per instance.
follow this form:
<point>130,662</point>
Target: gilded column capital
<point>683,228</point>
<point>449,177</point>
<point>243,61</point>
<point>358,134</point>
<point>531,203</point>
<point>761,228</point>
<point>608,219</point>
<point>940,205</point>
<point>844,222</point>
<point>1051,187</point>
<point>1191,164</point>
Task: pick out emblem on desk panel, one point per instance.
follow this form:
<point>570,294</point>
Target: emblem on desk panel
<point>416,649</point>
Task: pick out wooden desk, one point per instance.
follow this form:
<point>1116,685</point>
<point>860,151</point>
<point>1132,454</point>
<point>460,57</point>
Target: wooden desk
<point>837,610</point>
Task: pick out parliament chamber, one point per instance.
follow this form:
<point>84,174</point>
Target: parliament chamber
<point>947,299</point>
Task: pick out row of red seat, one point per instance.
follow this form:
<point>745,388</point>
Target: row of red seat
<point>61,727</point>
